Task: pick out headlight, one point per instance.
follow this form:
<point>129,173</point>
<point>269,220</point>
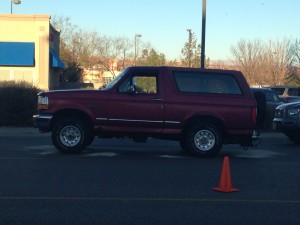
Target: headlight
<point>293,112</point>
<point>43,102</point>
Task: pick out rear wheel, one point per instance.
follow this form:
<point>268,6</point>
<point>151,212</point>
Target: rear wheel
<point>294,137</point>
<point>71,135</point>
<point>204,140</point>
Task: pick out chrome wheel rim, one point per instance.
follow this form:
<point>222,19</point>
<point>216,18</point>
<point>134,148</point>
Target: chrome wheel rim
<point>204,140</point>
<point>70,136</point>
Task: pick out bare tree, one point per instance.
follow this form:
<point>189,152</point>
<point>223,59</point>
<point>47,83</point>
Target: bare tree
<point>293,66</point>
<point>67,30</point>
<point>126,52</point>
<point>114,49</point>
<point>110,47</point>
<point>249,56</point>
<point>83,46</point>
<point>275,62</point>
<point>72,71</point>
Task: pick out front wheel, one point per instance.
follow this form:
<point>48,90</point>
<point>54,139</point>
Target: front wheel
<point>204,140</point>
<point>70,135</point>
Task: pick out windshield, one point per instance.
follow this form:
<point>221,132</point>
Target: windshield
<point>115,80</point>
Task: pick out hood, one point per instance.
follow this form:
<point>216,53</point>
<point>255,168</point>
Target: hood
<point>69,93</point>
<point>289,105</point>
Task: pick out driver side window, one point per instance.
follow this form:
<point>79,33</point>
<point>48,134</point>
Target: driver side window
<point>125,86</point>
<point>139,85</point>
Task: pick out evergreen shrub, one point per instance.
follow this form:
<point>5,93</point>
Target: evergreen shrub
<point>18,103</point>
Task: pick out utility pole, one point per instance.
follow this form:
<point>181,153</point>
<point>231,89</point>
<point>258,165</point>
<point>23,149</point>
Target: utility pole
<point>203,33</point>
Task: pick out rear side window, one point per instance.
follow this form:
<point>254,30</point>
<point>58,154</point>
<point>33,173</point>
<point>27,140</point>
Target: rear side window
<point>272,97</point>
<point>193,82</point>
<point>293,91</point>
<point>279,91</point>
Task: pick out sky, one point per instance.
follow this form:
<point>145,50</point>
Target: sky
<point>164,23</point>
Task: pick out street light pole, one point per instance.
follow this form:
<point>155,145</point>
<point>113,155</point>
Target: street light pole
<point>135,51</point>
<point>203,33</point>
<point>189,46</point>
<point>17,2</point>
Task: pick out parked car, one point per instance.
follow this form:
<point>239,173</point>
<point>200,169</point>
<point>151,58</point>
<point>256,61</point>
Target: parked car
<point>287,93</point>
<point>267,100</point>
<point>287,120</point>
<point>201,108</point>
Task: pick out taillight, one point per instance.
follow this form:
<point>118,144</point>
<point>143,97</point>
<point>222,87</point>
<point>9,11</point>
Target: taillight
<point>42,102</point>
<point>254,115</point>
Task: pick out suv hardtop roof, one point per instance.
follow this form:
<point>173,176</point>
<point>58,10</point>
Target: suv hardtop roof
<point>183,69</point>
<point>284,86</point>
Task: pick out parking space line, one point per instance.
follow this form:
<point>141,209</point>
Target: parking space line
<point>33,198</point>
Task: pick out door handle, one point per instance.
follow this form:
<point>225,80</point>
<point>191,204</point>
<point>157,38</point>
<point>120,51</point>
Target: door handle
<point>157,99</point>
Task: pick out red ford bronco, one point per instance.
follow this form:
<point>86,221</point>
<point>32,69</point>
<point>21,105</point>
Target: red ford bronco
<point>201,108</point>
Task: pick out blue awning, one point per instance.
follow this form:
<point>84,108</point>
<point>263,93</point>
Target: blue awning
<point>16,54</point>
<point>55,61</point>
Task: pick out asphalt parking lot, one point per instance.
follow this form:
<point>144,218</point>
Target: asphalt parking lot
<point>122,182</point>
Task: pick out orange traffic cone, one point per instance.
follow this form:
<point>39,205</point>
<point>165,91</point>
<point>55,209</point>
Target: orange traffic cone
<point>225,180</point>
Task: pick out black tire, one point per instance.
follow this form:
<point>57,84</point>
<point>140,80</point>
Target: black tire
<point>184,149</point>
<point>204,140</point>
<point>261,102</point>
<point>71,135</point>
<point>294,137</point>
<point>90,140</point>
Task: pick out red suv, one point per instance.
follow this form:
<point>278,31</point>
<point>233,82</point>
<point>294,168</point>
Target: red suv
<point>201,108</point>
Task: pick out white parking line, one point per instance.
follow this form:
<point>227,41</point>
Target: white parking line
<point>105,154</point>
<point>40,147</point>
<point>174,156</point>
<point>257,154</point>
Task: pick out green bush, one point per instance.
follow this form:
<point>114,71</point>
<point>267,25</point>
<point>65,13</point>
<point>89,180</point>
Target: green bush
<point>18,103</point>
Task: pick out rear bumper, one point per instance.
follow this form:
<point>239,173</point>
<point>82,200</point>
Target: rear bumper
<point>255,138</point>
<point>42,122</point>
<point>245,140</point>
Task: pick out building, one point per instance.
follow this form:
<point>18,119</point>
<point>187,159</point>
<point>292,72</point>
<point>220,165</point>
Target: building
<point>29,50</point>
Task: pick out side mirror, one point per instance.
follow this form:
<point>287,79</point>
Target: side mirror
<point>131,89</point>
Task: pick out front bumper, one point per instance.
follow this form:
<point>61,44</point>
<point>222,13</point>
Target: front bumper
<point>284,124</point>
<point>43,122</point>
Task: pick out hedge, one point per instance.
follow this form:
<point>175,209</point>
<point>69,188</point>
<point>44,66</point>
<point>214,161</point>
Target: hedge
<point>18,103</point>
